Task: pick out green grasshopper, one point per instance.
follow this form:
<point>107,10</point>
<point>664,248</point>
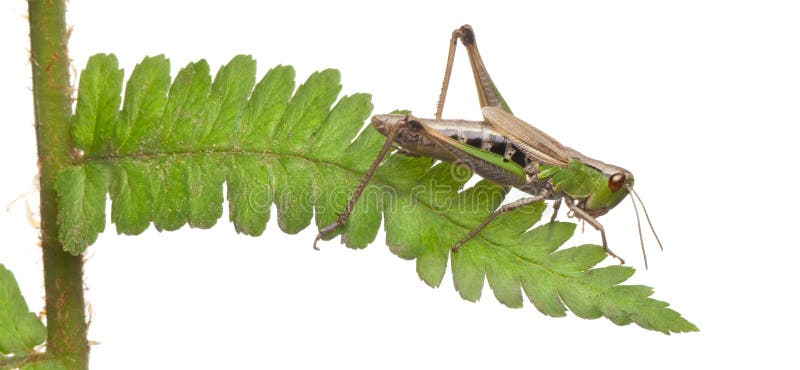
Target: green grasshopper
<point>507,151</point>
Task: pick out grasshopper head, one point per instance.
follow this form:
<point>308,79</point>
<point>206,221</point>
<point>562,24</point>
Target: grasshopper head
<point>612,188</point>
<point>598,186</point>
<point>620,183</point>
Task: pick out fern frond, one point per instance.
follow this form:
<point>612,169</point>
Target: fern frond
<point>20,329</point>
<point>166,154</point>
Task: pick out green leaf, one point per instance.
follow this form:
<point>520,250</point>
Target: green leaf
<point>224,108</point>
<point>20,329</point>
<point>187,98</point>
<point>171,192</point>
<point>131,197</point>
<point>265,108</point>
<point>341,125</point>
<point>97,110</point>
<point>82,205</point>
<point>176,147</point>
<point>206,175</point>
<point>307,110</point>
<point>250,193</point>
<point>145,98</point>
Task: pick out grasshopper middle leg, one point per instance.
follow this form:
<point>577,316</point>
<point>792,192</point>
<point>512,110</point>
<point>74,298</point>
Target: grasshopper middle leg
<point>503,209</point>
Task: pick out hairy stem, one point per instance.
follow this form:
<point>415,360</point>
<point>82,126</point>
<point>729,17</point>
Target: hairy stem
<point>63,273</point>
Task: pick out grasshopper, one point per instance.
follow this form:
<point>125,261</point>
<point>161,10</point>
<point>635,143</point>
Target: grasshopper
<point>507,151</point>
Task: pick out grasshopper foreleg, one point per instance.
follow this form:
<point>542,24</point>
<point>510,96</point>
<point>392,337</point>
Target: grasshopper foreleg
<point>389,144</point>
<point>556,206</point>
<point>581,214</point>
<point>503,209</point>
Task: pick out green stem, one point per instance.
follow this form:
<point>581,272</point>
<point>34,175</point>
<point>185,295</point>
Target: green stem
<point>63,273</point>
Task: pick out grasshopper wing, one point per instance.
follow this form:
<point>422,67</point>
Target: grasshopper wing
<point>529,139</point>
<point>486,164</point>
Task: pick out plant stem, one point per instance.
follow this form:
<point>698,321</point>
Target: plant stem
<point>63,273</point>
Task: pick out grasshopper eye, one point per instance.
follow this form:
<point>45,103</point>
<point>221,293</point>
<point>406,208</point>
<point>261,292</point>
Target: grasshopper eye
<point>616,181</point>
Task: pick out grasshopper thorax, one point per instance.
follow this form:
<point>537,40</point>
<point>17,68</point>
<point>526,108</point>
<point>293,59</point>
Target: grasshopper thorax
<point>596,186</point>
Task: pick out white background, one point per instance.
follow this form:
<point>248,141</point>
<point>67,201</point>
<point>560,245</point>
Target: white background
<point>699,99</point>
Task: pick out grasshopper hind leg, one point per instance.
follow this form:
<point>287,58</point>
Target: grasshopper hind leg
<point>340,221</point>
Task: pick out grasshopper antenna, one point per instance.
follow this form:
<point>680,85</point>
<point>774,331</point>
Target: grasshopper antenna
<point>639,227</point>
<point>649,223</point>
<point>646,216</point>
